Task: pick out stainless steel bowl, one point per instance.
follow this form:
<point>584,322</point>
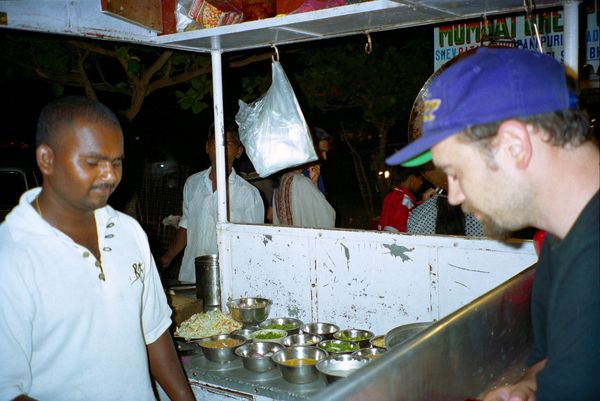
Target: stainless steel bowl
<point>325,330</point>
<point>372,353</point>
<point>399,334</point>
<point>362,337</point>
<point>250,311</point>
<point>378,342</point>
<point>221,348</point>
<point>268,335</point>
<point>297,364</point>
<point>336,367</point>
<point>246,333</point>
<point>257,356</point>
<point>301,339</point>
<point>291,325</point>
<point>338,346</point>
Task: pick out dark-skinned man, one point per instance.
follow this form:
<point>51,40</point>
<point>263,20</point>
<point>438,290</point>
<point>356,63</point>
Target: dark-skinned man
<point>83,312</point>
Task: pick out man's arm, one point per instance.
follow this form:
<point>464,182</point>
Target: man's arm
<point>166,369</point>
<point>523,390</point>
<point>179,242</point>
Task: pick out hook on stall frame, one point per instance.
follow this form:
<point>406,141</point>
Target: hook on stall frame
<point>528,6</point>
<point>369,44</point>
<point>276,56</point>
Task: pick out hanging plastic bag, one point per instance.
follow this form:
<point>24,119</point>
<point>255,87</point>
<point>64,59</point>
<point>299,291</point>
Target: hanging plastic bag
<point>273,129</point>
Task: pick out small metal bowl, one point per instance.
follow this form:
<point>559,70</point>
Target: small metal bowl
<point>257,356</point>
<point>338,346</point>
<point>297,364</point>
<point>400,334</point>
<point>325,330</point>
<point>378,342</point>
<point>246,333</point>
<point>291,325</point>
<point>336,367</point>
<point>371,353</point>
<point>250,311</point>
<point>221,348</point>
<point>362,337</point>
<point>268,335</point>
<point>301,339</point>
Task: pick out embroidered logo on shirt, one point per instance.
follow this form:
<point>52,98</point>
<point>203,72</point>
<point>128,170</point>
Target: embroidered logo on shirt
<point>138,270</point>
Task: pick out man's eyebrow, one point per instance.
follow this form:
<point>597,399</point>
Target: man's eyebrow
<point>103,157</point>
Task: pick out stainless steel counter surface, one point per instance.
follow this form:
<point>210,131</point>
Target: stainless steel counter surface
<point>233,376</point>
<point>482,345</point>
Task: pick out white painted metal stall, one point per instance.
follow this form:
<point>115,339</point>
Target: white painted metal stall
<point>372,280</point>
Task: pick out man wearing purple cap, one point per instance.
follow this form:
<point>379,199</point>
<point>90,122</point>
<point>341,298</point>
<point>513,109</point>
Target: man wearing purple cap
<point>503,125</point>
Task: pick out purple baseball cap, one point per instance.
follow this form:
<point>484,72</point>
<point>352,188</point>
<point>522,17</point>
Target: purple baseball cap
<point>491,84</point>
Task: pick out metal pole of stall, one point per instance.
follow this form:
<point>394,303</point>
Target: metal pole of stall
<point>571,35</point>
<point>222,201</point>
<point>217,81</point>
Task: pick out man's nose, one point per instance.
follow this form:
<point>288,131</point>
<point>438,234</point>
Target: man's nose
<point>110,172</point>
<point>455,193</point>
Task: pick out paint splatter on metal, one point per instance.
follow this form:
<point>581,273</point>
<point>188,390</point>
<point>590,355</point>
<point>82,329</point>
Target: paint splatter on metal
<point>398,251</point>
<point>469,270</point>
<point>267,238</point>
<point>347,254</point>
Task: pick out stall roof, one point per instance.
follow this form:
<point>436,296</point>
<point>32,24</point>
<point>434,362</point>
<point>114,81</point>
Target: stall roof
<point>85,18</point>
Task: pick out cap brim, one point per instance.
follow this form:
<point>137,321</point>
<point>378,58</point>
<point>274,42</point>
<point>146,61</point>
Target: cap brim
<point>419,160</point>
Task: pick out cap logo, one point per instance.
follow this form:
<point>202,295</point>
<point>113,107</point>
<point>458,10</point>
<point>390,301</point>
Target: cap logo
<point>430,108</point>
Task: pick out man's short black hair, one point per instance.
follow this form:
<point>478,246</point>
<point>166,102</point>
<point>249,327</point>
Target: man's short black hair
<point>63,111</point>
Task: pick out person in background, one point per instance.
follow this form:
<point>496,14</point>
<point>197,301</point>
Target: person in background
<point>436,216</point>
<point>322,141</point>
<point>400,201</point>
<point>504,126</point>
<point>298,202</point>
<point>83,315</point>
<point>197,231</point>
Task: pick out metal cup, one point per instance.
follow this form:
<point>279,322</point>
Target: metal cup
<point>208,287</point>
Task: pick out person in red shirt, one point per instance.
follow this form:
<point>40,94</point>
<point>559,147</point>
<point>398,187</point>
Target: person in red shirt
<point>400,201</point>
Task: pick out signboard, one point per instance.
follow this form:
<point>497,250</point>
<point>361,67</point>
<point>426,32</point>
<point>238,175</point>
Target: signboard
<point>451,40</point>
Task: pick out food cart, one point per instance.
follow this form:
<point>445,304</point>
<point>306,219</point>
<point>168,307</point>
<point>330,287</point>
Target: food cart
<point>354,278</point>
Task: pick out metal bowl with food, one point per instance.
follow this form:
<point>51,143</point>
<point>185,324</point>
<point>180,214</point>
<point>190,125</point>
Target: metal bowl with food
<point>362,337</point>
<point>371,353</point>
<point>378,342</point>
<point>250,311</point>
<point>297,364</point>
<point>220,348</point>
<point>269,335</point>
<point>257,356</point>
<point>246,333</point>
<point>301,339</point>
<point>338,346</point>
<point>325,330</point>
<point>336,367</point>
<point>291,325</point>
<point>399,334</point>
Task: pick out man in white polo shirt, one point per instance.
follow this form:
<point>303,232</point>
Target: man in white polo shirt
<point>83,315</point>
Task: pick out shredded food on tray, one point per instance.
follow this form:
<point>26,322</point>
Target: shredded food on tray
<point>207,324</point>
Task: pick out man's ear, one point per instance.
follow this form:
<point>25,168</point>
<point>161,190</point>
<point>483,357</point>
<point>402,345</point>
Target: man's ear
<point>44,156</point>
<point>514,142</point>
